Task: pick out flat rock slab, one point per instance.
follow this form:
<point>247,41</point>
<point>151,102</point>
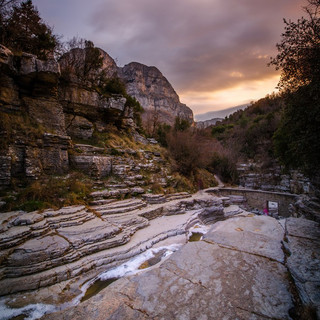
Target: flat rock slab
<point>260,235</point>
<point>303,244</point>
<point>303,228</point>
<point>201,281</point>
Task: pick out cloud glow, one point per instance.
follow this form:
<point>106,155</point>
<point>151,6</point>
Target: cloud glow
<point>241,94</point>
<point>215,49</point>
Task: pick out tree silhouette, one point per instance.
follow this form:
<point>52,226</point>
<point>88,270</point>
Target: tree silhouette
<point>297,140</point>
<point>24,30</point>
<point>299,50</point>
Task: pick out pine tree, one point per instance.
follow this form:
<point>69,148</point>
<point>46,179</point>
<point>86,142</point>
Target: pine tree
<point>25,31</point>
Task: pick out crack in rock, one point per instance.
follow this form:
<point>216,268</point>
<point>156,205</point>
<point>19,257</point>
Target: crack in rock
<point>199,283</point>
<point>130,304</point>
<point>242,251</point>
<point>144,312</point>
<point>258,314</point>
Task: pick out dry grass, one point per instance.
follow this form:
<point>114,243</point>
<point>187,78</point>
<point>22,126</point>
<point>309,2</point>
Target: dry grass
<point>12,124</point>
<point>52,192</point>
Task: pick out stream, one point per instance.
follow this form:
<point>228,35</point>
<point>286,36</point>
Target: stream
<point>139,263</point>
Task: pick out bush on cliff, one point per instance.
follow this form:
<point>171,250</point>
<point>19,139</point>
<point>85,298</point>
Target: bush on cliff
<point>185,150</point>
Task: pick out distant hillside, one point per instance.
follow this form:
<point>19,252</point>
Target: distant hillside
<point>207,123</point>
<point>219,114</point>
<point>247,134</point>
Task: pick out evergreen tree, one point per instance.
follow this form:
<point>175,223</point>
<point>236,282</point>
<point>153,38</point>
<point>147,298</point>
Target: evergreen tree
<point>25,31</point>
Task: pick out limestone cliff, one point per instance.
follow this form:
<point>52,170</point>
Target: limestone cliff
<point>48,106</point>
<point>43,114</point>
<point>58,122</point>
<point>155,93</point>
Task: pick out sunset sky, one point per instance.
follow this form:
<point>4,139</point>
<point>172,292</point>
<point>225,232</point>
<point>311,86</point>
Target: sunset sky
<point>213,52</point>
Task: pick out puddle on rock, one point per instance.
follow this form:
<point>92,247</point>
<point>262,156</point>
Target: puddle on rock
<point>20,317</point>
<point>196,232</point>
<point>96,287</point>
<point>195,236</point>
<point>100,284</point>
<point>135,265</point>
<point>154,260</point>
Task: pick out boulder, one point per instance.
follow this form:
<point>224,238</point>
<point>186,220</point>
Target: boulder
<point>43,71</point>
<point>78,127</point>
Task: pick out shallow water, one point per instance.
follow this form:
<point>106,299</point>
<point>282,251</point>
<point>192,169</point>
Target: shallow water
<point>196,236</point>
<point>96,287</point>
<point>20,317</point>
<point>35,311</point>
<point>135,265</point>
<point>197,231</point>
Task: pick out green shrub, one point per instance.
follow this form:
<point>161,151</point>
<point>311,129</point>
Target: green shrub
<point>224,167</point>
<point>161,134</point>
<point>181,124</point>
<point>113,86</point>
<point>216,130</point>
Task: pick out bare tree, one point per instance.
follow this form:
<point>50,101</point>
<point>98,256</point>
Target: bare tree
<point>152,122</point>
<point>83,60</point>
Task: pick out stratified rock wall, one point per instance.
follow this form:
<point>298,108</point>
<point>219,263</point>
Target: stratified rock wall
<point>42,112</point>
<point>33,132</point>
<point>155,93</point>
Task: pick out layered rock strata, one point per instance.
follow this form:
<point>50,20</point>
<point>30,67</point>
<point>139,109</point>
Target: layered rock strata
<point>42,114</point>
<point>39,249</point>
<point>254,176</point>
<point>47,105</point>
<point>239,270</point>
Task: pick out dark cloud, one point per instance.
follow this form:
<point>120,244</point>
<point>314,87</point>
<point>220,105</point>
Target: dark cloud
<point>200,45</point>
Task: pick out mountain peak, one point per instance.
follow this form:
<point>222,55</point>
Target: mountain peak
<point>154,92</point>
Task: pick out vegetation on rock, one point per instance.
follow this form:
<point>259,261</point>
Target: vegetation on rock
<point>23,30</point>
<point>247,134</point>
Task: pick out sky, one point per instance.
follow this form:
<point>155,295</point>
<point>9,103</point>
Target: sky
<point>213,52</point>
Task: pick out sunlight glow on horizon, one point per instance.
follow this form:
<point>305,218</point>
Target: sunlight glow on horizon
<point>202,102</point>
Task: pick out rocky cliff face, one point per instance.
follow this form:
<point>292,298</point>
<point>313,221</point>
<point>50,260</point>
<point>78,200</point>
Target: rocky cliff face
<point>42,114</point>
<point>155,94</point>
<point>47,107</point>
<point>254,176</point>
